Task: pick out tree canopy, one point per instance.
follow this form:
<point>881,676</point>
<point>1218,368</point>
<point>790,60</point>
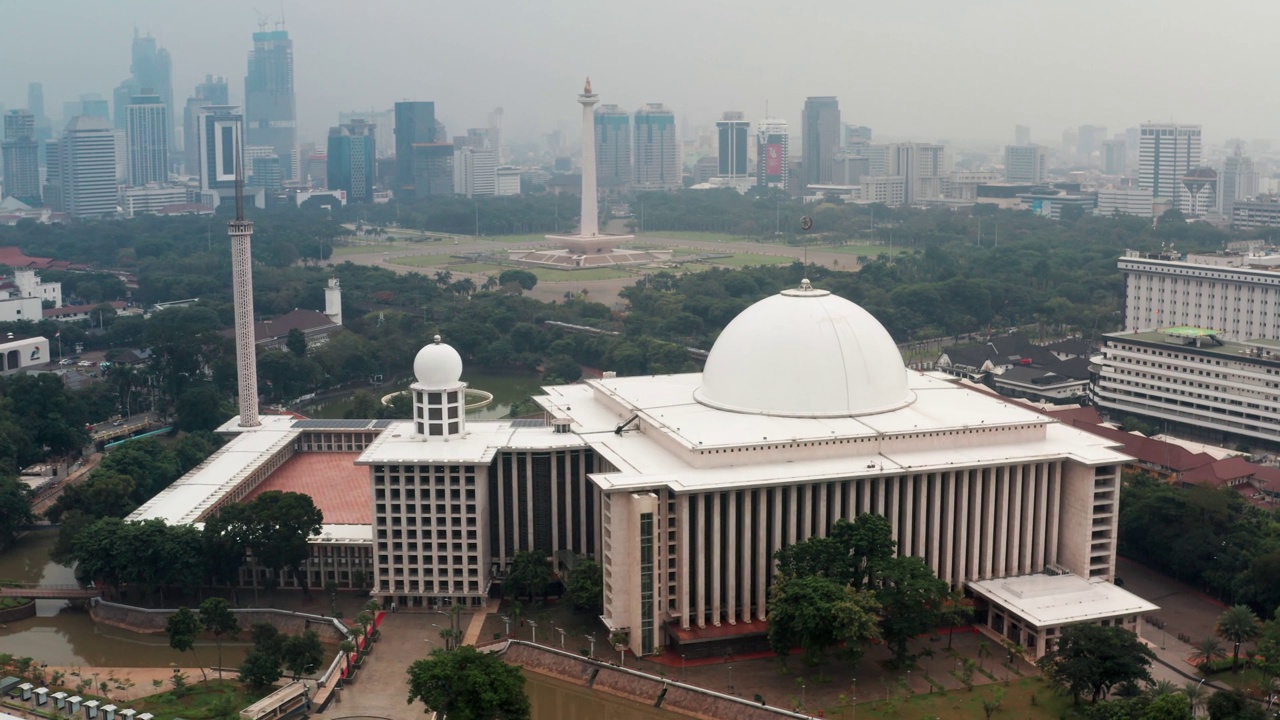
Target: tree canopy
<point>1091,659</point>
<point>466,684</point>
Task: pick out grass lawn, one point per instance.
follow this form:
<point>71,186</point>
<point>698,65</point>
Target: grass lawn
<point>851,249</point>
<point>369,249</point>
<point>477,268</point>
<point>745,260</point>
<point>423,260</point>
<point>698,235</point>
<point>554,275</point>
<point>527,237</point>
<point>201,701</point>
<point>1251,680</point>
<point>966,705</point>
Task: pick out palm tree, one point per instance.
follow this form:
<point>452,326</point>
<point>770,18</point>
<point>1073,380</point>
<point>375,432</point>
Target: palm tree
<point>1161,687</point>
<point>1196,695</point>
<point>1238,624</point>
<point>1206,651</point>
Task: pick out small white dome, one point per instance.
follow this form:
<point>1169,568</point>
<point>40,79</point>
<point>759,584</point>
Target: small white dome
<point>805,353</point>
<point>438,365</point>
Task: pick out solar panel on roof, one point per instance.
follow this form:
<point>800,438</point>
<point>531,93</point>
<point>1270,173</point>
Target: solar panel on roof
<point>383,423</point>
<point>528,423</point>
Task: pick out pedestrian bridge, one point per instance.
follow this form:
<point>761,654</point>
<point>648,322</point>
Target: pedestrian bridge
<point>49,592</point>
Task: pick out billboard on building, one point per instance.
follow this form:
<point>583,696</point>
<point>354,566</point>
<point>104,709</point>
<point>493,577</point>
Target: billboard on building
<point>773,160</point>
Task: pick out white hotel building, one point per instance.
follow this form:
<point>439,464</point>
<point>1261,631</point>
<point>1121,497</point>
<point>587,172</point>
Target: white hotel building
<point>1238,295</point>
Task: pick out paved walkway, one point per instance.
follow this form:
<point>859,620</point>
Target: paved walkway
<point>381,686</point>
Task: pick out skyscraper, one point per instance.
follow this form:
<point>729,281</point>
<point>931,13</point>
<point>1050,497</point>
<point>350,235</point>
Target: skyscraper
<point>732,130</point>
<point>820,136</point>
<point>773,158</point>
<point>1025,163</point>
<point>87,167</point>
<point>352,159</point>
<point>1166,154</point>
<point>1115,157</point>
<point>220,136</point>
<point>384,133</point>
<point>475,171</point>
<point>150,73</point>
<point>1089,141</point>
<point>424,162</point>
<point>146,132</point>
<point>20,153</point>
<point>44,127</point>
<point>921,166</point>
<point>1237,182</point>
<point>613,148</point>
<point>270,107</point>
<point>213,91</point>
<point>1021,135</point>
<point>657,157</point>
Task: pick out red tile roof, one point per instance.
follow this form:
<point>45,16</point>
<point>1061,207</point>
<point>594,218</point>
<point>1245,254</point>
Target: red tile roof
<point>337,486</point>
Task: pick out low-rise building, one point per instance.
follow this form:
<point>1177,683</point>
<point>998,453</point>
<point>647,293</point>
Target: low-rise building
<point>1255,213</point>
<point>1125,201</point>
<point>18,352</point>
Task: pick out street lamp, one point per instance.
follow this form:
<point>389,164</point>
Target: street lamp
<point>730,678</point>
<point>561,637</point>
<point>506,620</point>
<point>534,625</point>
<point>683,674</point>
<point>591,638</point>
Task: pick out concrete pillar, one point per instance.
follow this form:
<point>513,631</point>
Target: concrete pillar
<point>555,499</point>
<point>1015,529</point>
<point>1055,510</point>
<point>502,512</point>
<point>824,514</point>
<point>717,559</point>
<point>962,544</point>
<point>1029,519</point>
<point>528,503</point>
<point>700,521</point>
<point>909,512</point>
<point>581,528</point>
<point>747,556</point>
<point>987,504</point>
<point>1000,564</point>
<point>949,527</point>
<point>935,520</point>
<point>764,563</point>
<point>850,499</point>
<point>806,512</point>
<point>731,558</point>
<point>792,517</point>
<point>682,575</point>
<point>1042,526</point>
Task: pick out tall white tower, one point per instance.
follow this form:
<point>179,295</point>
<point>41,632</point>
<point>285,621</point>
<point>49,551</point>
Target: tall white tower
<point>590,222</point>
<point>241,232</point>
<point>333,301</point>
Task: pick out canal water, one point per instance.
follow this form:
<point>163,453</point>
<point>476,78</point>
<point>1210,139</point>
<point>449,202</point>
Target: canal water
<point>552,699</point>
<point>63,635</point>
<point>507,388</point>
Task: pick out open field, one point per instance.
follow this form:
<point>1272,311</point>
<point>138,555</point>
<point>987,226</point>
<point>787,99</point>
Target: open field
<point>855,249</point>
<point>371,248</point>
<point>697,235</point>
<point>738,260</point>
<point>423,260</point>
<point>967,705</point>
<point>543,274</point>
<point>526,237</point>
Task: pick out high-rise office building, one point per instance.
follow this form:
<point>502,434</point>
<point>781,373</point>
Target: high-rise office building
<point>87,167</point>
<point>266,172</point>
<point>424,161</point>
<point>922,166</point>
<point>1089,140</point>
<point>44,127</point>
<point>384,133</point>
<point>1166,154</point>
<point>213,91</point>
<point>1115,157</point>
<point>1237,182</point>
<point>856,135</point>
<point>657,156</point>
<point>220,135</point>
<point>613,148</point>
<point>20,153</point>
<point>1025,163</point>
<point>151,71</point>
<point>773,153</point>
<point>1021,135</point>
<point>731,131</point>
<point>270,107</point>
<point>352,158</point>
<point>495,133</point>
<point>475,171</point>
<point>819,136</point>
<point>147,137</point>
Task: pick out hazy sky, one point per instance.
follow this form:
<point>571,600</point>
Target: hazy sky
<point>964,70</point>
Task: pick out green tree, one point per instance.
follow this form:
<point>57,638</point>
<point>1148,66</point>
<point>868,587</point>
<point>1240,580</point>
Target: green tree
<point>561,370</point>
<point>260,670</point>
<point>525,279</point>
<point>586,585</point>
<point>276,527</point>
<point>465,684</point>
<point>1233,705</point>
<point>529,575</point>
<point>15,510</point>
<point>302,654</point>
<point>201,407</point>
<point>819,613</point>
<point>1091,659</point>
<point>913,600</point>
<point>183,629</point>
<point>1171,706</point>
<point>855,552</point>
<point>1238,625</point>
<point>296,342</point>
<point>217,618</point>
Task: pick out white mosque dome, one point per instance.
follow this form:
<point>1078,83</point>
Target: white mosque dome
<point>438,365</point>
<point>805,353</point>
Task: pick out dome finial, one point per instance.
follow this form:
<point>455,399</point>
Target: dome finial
<point>435,339</point>
<point>805,284</point>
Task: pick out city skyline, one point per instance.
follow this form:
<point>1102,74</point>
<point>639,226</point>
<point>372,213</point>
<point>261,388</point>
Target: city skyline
<point>216,41</point>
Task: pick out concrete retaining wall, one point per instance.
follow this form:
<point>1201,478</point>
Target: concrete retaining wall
<point>636,686</point>
<point>148,621</point>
